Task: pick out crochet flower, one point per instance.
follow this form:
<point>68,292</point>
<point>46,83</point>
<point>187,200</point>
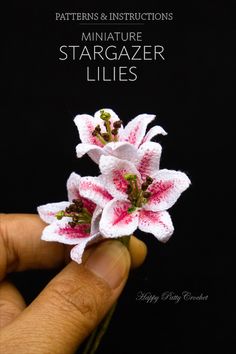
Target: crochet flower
<point>73,222</point>
<point>139,194</point>
<point>131,192</point>
<point>104,134</point>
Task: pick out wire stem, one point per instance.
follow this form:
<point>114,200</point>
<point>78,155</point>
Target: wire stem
<point>96,336</point>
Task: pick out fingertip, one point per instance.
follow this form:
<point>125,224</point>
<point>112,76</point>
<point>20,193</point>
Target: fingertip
<point>138,251</point>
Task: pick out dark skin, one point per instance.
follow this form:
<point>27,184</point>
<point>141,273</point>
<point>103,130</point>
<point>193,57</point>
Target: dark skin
<point>71,305</point>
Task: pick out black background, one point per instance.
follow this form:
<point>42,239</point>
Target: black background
<point>191,94</point>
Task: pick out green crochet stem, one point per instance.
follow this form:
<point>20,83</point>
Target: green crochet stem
<point>98,333</point>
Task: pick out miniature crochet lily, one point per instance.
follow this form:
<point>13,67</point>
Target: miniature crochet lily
<point>104,134</point>
<point>131,192</point>
<point>137,196</point>
<point>73,222</point>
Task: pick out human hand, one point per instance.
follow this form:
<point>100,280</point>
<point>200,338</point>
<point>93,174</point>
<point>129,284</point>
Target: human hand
<point>73,303</point>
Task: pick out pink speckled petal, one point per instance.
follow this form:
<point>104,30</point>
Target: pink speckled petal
<point>113,171</point>
<point>149,155</point>
<point>116,221</point>
<point>86,124</point>
<point>157,223</point>
<point>77,251</point>
<point>121,150</point>
<point>93,189</point>
<point>73,186</point>
<point>93,151</point>
<point>95,220</point>
<point>61,231</point>
<point>135,130</point>
<point>156,130</point>
<point>166,189</point>
<point>47,212</point>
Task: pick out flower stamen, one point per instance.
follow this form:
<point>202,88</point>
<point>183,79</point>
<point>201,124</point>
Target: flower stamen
<point>110,134</point>
<point>76,212</point>
<point>97,133</point>
<point>137,196</point>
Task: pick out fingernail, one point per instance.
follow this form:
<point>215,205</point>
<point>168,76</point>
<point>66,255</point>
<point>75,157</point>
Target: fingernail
<point>110,261</point>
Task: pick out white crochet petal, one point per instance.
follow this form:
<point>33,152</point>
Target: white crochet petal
<point>121,150</point>
<point>156,130</point>
<point>93,151</point>
<point>47,212</point>
<point>73,186</point>
<point>95,220</point>
<point>77,251</point>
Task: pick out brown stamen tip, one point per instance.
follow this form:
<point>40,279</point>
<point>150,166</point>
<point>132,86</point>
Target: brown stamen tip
<point>78,202</point>
<point>75,218</point>
<point>94,133</point>
<point>117,124</point>
<point>146,194</point>
<point>72,223</point>
<point>106,136</point>
<point>149,180</point>
<point>98,129</point>
<point>144,186</point>
<point>129,189</point>
<point>130,197</point>
<point>114,131</point>
<point>74,207</point>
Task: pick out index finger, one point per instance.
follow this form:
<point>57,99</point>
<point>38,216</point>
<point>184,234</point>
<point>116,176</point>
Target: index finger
<point>21,247</point>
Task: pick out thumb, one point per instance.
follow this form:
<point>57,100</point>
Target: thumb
<point>72,304</point>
